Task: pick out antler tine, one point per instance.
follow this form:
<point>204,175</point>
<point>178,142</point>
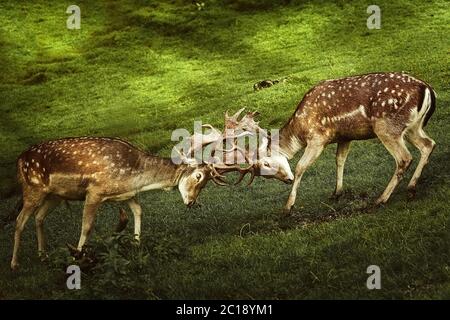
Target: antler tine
<point>237,148</point>
<point>242,175</point>
<point>219,181</point>
<point>207,125</point>
<point>183,157</point>
<point>217,177</point>
<point>242,172</point>
<point>254,114</point>
<point>205,140</point>
<point>237,114</point>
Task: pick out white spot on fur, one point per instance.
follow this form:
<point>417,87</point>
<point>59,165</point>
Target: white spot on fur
<point>407,98</point>
<point>34,180</point>
<point>363,111</point>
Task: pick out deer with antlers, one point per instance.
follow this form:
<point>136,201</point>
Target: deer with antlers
<point>389,106</point>
<point>97,170</point>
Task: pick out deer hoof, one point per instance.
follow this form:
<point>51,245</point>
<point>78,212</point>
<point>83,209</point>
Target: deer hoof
<point>74,252</point>
<point>336,195</point>
<point>43,256</point>
<point>379,202</point>
<point>286,211</point>
<point>14,266</point>
<point>411,193</point>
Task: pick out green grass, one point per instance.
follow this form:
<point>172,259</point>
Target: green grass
<point>138,70</point>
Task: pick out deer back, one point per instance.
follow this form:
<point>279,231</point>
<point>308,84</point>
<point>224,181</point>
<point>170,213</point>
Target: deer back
<point>348,108</point>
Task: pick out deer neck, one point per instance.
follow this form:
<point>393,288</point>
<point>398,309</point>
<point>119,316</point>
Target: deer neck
<point>158,173</point>
<point>289,142</point>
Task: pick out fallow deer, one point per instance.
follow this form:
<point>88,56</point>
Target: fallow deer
<point>389,106</point>
<point>97,170</point>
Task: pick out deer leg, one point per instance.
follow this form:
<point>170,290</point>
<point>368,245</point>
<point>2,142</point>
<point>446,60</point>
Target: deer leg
<point>137,212</point>
<point>312,152</point>
<point>30,205</point>
<point>48,205</point>
<point>397,148</point>
<point>342,151</point>
<point>90,209</point>
<point>426,146</point>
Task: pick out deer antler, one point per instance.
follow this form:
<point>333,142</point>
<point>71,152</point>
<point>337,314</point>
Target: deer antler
<point>231,122</point>
<point>214,139</point>
<point>242,171</point>
<point>249,127</point>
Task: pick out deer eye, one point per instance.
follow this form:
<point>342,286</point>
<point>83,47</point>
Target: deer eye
<point>266,164</point>
<point>198,176</point>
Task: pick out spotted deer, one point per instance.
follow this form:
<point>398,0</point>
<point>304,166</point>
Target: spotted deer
<point>389,106</point>
<point>97,170</point>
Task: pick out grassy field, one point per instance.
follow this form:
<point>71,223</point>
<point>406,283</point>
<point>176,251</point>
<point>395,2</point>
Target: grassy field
<point>139,70</point>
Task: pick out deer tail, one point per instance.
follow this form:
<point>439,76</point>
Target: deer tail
<point>431,105</point>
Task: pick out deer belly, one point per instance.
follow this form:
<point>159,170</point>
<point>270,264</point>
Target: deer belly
<point>71,187</point>
<point>120,197</point>
<point>355,131</point>
<point>355,127</point>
